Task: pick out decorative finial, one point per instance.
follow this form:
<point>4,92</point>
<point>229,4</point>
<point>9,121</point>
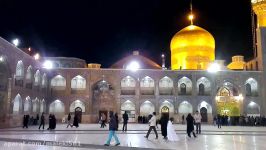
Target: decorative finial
<point>191,16</point>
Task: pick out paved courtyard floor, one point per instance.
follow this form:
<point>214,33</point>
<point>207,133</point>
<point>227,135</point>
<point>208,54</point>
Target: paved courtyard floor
<point>90,136</point>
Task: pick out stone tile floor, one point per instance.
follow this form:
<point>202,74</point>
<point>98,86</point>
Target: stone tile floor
<point>90,136</point>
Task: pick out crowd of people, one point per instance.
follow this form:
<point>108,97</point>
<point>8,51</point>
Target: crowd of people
<point>166,123</point>
<point>239,120</point>
<point>27,121</point>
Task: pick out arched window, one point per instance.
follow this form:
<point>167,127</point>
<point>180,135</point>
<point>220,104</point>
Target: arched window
<point>128,85</point>
<point>128,82</point>
<point>253,109</point>
<point>147,82</point>
<point>201,89</point>
<point>248,89</point>
<point>147,86</point>
<point>203,86</point>
<point>78,82</point>
<point>29,74</point>
<point>185,108</point>
<point>42,106</point>
<point>184,86</point>
<point>57,107</point>
<point>35,105</point>
<point>146,108</point>
<point>183,89</point>
<point>17,104</point>
<point>75,104</point>
<point>37,78</point>
<point>166,82</point>
<point>251,87</point>
<point>20,70</point>
<point>27,105</point>
<point>224,92</point>
<point>166,107</point>
<point>44,80</point>
<point>58,82</point>
<point>166,86</point>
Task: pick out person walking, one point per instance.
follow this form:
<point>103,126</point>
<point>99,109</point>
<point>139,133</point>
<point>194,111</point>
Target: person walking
<point>68,120</point>
<point>152,122</point>
<point>125,119</point>
<point>102,120</point>
<point>183,119</point>
<point>219,121</point>
<point>116,119</point>
<point>75,121</point>
<point>171,134</point>
<point>164,120</point>
<point>25,121</point>
<point>112,128</point>
<point>42,121</point>
<point>190,125</point>
<point>197,118</point>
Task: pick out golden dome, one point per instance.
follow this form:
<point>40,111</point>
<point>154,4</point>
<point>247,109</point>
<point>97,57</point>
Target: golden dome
<point>192,48</point>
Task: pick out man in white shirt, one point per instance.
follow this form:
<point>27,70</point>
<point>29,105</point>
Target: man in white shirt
<point>152,122</point>
<point>197,118</point>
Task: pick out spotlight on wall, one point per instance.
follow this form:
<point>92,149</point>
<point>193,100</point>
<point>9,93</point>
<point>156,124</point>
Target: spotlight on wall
<point>133,66</point>
<point>48,64</point>
<point>214,67</point>
<point>37,56</point>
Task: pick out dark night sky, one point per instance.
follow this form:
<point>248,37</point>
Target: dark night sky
<point>104,31</point>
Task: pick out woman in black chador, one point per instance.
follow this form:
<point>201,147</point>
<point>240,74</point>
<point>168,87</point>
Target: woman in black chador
<point>190,125</point>
<point>164,121</point>
<point>52,122</point>
<point>75,121</point>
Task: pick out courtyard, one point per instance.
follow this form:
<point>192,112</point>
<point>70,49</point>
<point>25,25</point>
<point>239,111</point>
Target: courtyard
<point>90,136</point>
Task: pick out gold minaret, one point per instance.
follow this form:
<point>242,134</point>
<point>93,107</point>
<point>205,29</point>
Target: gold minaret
<point>259,7</point>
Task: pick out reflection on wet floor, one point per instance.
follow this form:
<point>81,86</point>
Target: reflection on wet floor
<point>90,136</point>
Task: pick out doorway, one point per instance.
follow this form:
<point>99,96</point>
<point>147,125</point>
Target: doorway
<point>204,114</point>
<point>165,111</point>
<point>78,113</point>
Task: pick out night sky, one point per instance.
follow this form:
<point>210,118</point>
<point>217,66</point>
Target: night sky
<point>104,31</point>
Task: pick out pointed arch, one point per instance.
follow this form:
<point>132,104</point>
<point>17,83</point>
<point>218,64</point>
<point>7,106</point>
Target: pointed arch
<point>253,108</point>
<point>27,105</point>
<point>44,80</point>
<point>167,104</point>
<point>77,103</point>
<point>29,74</point>
<point>57,106</point>
<point>128,82</point>
<point>184,86</point>
<point>35,105</point>
<point>20,70</point>
<point>78,83</point>
<point>147,86</point>
<point>203,86</point>
<point>37,78</point>
<point>17,104</point>
<point>251,87</point>
<point>185,107</point>
<point>166,86</point>
<point>128,85</point>
<point>205,105</point>
<point>58,83</point>
<point>42,106</point>
<point>146,108</point>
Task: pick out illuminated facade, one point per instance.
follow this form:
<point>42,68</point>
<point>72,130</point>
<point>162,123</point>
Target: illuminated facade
<point>139,88</point>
